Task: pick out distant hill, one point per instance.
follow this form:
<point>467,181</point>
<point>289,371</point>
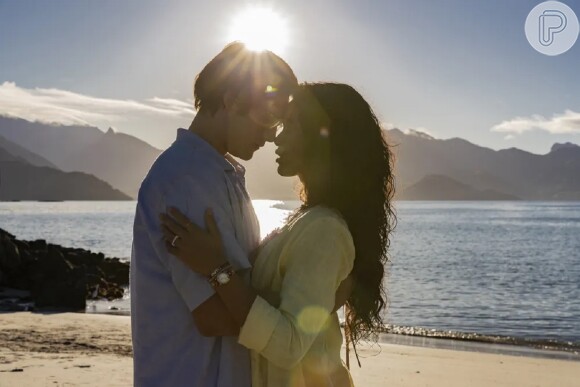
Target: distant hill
<point>438,187</point>
<point>6,156</point>
<point>53,142</point>
<point>119,159</point>
<point>20,180</point>
<point>567,145</point>
<point>23,154</point>
<point>553,176</point>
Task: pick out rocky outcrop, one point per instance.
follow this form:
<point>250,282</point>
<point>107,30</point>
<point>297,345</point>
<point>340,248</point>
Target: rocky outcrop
<point>59,277</point>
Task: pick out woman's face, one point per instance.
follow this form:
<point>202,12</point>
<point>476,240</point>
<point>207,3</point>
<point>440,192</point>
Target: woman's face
<point>290,146</point>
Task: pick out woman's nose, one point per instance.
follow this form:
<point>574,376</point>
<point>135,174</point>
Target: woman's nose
<point>270,134</point>
<point>279,136</point>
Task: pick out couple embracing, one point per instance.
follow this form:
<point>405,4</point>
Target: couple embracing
<point>211,304</point>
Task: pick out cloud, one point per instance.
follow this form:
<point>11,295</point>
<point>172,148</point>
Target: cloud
<point>565,123</point>
<point>419,129</point>
<point>57,106</point>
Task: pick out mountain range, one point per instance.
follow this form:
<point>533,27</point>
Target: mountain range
<point>514,172</point>
<point>27,176</point>
<point>426,168</point>
<point>119,159</point>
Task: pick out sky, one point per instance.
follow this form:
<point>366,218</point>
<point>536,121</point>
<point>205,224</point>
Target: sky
<point>450,68</point>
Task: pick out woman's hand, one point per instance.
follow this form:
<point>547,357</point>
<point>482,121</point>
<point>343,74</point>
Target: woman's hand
<point>201,250</point>
<point>343,292</point>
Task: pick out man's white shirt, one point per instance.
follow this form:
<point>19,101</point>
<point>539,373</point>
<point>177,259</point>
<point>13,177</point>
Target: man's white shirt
<point>168,349</point>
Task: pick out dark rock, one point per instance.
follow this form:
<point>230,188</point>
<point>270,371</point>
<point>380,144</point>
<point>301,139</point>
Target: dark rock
<point>70,294</point>
<point>59,277</point>
<point>116,271</point>
<point>38,245</point>
<point>9,255</point>
<point>14,306</point>
<point>6,235</point>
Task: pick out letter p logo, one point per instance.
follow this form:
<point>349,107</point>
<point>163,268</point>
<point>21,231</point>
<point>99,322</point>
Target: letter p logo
<point>552,28</point>
<point>551,23</point>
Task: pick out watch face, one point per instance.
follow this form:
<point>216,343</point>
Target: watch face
<point>223,278</point>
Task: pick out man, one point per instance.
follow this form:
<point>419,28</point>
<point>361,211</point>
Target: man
<point>180,336</point>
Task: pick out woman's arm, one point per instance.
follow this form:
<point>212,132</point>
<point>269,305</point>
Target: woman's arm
<point>317,262</point>
<point>213,319</point>
<point>316,259</point>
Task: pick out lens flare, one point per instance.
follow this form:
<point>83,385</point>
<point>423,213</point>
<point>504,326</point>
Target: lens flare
<point>260,28</point>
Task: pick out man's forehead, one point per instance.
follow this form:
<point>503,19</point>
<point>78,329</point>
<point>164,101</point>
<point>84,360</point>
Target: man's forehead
<point>272,79</point>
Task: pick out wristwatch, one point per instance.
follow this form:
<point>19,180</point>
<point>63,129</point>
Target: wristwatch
<point>221,276</point>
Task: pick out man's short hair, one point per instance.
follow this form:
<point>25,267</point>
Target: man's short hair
<point>241,71</point>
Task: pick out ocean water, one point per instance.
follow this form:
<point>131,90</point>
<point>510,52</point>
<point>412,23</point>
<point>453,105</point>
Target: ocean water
<point>494,268</point>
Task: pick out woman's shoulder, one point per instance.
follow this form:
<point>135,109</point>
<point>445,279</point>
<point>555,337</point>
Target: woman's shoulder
<point>319,218</point>
<point>323,230</point>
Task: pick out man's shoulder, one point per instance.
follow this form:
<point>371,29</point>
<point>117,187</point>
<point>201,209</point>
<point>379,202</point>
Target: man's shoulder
<point>178,166</point>
<point>178,160</point>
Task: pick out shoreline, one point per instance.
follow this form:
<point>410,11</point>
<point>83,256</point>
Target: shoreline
<point>468,341</point>
<point>461,341</point>
<point>542,345</point>
<point>390,334</point>
<point>39,349</point>
<point>477,347</point>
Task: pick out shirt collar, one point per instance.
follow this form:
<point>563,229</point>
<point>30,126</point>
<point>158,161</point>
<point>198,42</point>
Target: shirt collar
<point>239,168</point>
<point>193,140</point>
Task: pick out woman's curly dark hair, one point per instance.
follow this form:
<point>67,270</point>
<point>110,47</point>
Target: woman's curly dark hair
<point>349,167</point>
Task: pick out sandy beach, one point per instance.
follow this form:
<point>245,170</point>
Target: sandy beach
<point>69,349</point>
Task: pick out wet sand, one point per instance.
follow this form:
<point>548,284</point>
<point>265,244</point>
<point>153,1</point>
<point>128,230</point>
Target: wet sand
<point>69,349</point>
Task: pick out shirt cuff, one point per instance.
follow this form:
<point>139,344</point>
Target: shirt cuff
<point>259,325</point>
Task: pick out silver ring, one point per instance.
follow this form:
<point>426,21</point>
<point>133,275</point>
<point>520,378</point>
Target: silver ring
<point>175,238</point>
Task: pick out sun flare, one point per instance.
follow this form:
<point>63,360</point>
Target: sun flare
<point>260,28</point>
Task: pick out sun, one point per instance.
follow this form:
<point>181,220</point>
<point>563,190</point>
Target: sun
<point>260,28</point>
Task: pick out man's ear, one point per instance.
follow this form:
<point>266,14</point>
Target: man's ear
<point>230,101</point>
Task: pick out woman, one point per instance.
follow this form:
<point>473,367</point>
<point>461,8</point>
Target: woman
<point>333,142</point>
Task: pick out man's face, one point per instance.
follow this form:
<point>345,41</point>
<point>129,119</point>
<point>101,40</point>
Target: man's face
<point>249,131</point>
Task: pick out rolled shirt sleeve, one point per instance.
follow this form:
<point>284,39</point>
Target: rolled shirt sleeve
<point>317,260</point>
